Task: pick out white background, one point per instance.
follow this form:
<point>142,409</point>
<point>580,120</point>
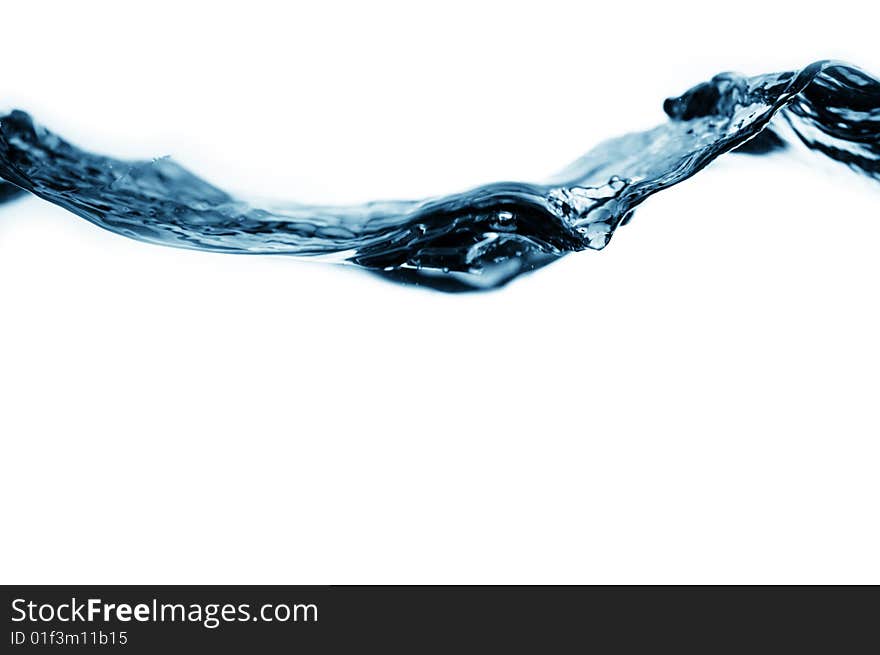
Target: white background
<point>695,404</point>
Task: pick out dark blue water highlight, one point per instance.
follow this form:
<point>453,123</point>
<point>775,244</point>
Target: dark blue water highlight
<point>481,238</point>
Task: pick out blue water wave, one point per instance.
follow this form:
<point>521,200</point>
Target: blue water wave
<point>481,238</point>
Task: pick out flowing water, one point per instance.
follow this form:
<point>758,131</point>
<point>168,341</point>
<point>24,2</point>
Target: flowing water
<point>481,238</point>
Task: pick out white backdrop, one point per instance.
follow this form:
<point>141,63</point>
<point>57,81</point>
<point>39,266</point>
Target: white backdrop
<point>695,404</point>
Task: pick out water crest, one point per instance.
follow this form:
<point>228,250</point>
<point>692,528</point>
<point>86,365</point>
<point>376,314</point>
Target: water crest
<point>481,238</point>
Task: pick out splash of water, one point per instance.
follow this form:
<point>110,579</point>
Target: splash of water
<point>481,238</point>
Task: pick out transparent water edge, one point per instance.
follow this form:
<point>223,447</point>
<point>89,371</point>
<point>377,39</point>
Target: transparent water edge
<point>481,238</point>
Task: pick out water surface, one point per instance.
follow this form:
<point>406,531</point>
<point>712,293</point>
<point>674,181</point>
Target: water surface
<point>480,238</point>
